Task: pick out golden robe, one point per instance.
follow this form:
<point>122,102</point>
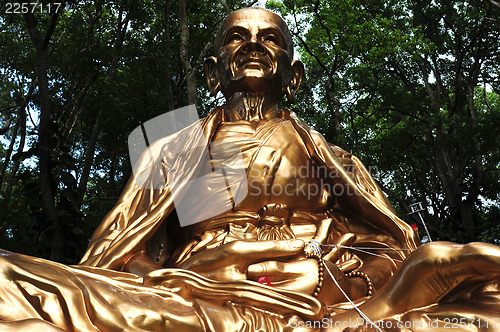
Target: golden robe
<point>139,213</point>
<point>97,296</point>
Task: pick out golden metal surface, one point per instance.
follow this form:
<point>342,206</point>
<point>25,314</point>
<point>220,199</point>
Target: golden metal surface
<point>143,272</point>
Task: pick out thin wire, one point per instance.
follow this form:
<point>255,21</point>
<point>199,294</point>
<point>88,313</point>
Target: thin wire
<point>371,248</point>
<point>361,313</point>
<point>371,253</point>
<point>315,247</point>
<point>360,250</point>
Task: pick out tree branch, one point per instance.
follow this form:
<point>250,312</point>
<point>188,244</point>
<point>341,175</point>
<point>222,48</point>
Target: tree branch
<point>226,7</point>
<point>495,3</point>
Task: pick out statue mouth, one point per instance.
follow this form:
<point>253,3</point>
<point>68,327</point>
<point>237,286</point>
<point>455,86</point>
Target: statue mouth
<point>252,62</point>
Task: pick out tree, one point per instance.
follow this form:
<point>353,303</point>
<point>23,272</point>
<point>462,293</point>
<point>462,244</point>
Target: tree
<point>414,85</point>
<point>74,84</point>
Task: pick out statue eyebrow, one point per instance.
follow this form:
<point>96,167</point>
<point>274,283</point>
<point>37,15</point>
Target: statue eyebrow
<point>274,31</point>
<point>266,31</point>
<point>240,29</point>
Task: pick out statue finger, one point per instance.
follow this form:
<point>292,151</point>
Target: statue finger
<point>282,271</point>
<point>242,253</point>
<point>342,244</point>
<point>246,253</point>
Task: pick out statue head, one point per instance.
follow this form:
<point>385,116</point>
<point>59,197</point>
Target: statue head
<point>254,52</point>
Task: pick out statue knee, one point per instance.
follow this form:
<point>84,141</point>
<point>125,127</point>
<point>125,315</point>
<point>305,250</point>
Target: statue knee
<point>476,256</point>
<point>434,252</point>
<point>483,253</point>
<point>480,248</point>
<point>437,254</point>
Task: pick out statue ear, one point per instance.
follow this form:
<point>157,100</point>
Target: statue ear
<point>211,75</point>
<point>297,74</point>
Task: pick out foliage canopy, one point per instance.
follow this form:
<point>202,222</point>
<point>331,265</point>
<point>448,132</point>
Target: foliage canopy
<point>411,87</point>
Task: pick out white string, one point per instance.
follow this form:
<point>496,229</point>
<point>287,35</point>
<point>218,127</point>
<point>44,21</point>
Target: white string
<point>361,250</point>
<point>315,247</point>
<point>362,314</point>
<point>369,253</point>
<point>371,248</point>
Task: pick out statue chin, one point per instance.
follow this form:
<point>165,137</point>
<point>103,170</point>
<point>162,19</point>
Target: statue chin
<point>312,240</point>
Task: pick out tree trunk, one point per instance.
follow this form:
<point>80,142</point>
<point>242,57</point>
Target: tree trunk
<point>8,155</point>
<point>44,133</point>
<point>20,124</point>
<point>190,73</point>
<point>334,108</point>
<point>17,163</point>
<point>89,157</point>
<point>168,75</point>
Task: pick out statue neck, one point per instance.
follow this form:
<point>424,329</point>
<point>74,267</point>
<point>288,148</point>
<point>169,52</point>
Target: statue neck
<point>251,107</point>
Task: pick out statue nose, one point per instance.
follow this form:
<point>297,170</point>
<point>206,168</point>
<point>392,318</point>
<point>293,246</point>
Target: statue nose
<point>253,46</point>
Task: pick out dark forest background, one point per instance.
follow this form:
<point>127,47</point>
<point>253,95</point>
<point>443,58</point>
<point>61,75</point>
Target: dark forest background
<point>410,86</point>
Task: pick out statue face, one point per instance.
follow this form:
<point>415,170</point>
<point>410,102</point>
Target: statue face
<point>253,55</point>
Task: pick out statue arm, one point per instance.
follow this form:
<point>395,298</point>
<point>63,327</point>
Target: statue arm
<point>430,274</point>
<point>111,226</point>
<point>142,209</point>
<point>141,264</point>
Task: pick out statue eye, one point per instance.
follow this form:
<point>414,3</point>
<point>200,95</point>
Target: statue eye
<point>271,39</point>
<point>234,38</point>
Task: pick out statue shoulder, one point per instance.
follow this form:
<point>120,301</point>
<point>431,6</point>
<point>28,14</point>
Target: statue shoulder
<point>345,157</point>
<point>353,165</point>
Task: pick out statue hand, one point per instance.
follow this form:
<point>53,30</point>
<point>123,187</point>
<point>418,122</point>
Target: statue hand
<point>303,276</point>
<point>300,275</point>
<point>231,261</point>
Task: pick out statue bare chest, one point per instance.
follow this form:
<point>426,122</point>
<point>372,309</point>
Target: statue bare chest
<point>278,166</point>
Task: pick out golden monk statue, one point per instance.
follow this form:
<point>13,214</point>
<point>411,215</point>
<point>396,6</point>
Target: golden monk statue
<point>313,245</point>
